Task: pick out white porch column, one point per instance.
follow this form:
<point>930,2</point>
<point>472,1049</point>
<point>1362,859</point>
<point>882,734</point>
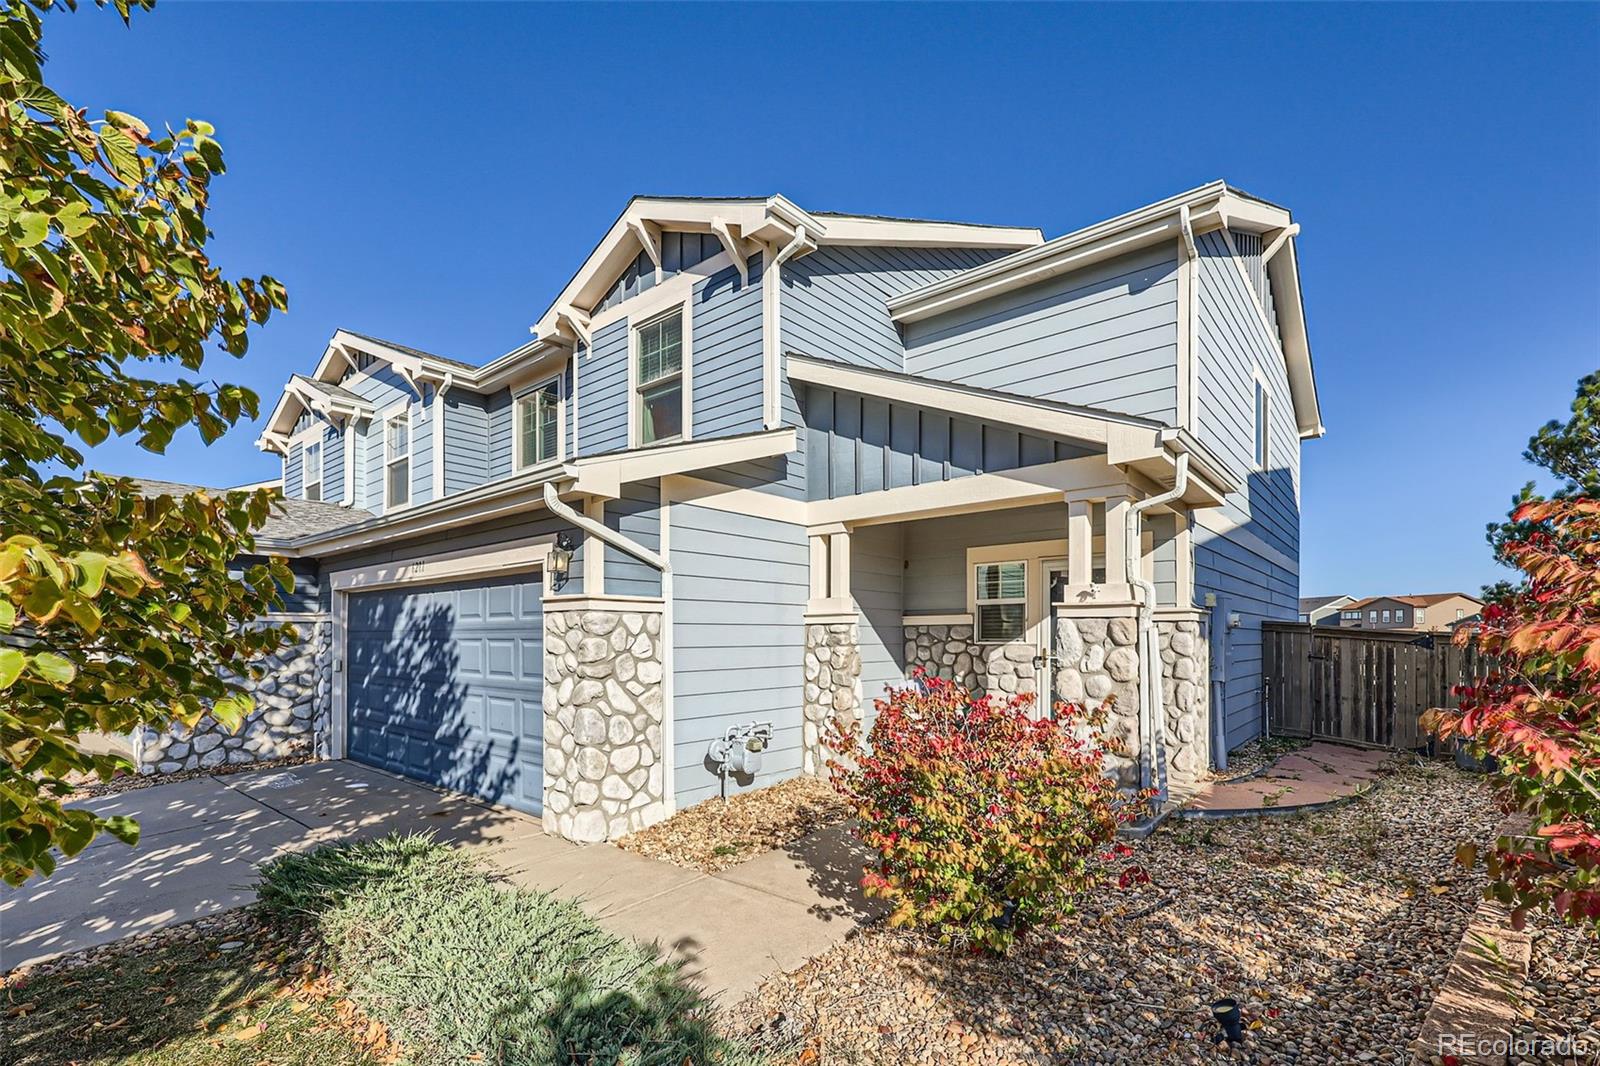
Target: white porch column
<point>1080,542</point>
<point>1117,539</point>
<point>594,550</point>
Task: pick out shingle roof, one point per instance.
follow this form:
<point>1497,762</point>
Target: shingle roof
<point>290,519</point>
<point>335,392</point>
<point>1423,600</point>
<point>418,352</point>
<point>1312,603</point>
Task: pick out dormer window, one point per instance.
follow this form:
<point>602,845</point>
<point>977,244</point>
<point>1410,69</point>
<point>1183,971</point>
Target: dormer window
<point>658,379</point>
<point>539,425</point>
<point>311,471</point>
<point>397,460</point>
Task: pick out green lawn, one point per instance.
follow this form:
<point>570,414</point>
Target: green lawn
<point>183,1004</point>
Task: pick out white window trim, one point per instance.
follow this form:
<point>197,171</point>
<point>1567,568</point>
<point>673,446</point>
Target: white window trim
<point>1033,553</point>
<point>305,481</point>
<point>1260,436</point>
<point>518,413</point>
<point>683,308</point>
<point>1003,601</point>
<point>399,411</point>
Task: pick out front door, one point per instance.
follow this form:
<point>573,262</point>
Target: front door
<point>1053,575</point>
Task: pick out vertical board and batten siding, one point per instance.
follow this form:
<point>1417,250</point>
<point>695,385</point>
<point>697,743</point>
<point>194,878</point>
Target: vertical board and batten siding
<point>877,580</point>
<point>636,515</point>
<point>1105,336</point>
<point>857,444</point>
<point>1247,552</point>
<point>726,353</point>
<point>603,391</point>
<point>936,551</point>
<point>292,463</point>
<point>834,301</point>
<point>740,586</point>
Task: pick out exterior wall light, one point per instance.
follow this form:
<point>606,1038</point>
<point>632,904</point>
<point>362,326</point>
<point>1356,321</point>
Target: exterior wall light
<point>559,561</point>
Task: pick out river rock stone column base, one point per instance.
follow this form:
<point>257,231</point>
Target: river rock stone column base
<point>832,688</point>
<point>1186,699</point>
<point>952,652</point>
<point>293,705</point>
<point>1096,658</point>
<point>602,723</point>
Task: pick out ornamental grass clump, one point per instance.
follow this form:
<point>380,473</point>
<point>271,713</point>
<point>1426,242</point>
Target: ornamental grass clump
<point>987,821</point>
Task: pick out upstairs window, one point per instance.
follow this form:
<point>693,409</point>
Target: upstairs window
<point>1372,616</point>
<point>1421,616</point>
<point>539,425</point>
<point>1002,601</point>
<point>311,471</point>
<point>1386,616</point>
<point>397,460</point>
<point>1263,408</point>
<point>1400,616</point>
<point>659,379</point>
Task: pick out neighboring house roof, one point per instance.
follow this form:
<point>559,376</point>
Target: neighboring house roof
<point>290,520</point>
<point>1317,603</point>
<point>1425,600</point>
<point>1216,205</point>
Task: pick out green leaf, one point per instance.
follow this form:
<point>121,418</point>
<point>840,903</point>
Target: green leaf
<point>53,668</point>
<point>35,228</point>
<point>8,616</point>
<point>122,155</point>
<point>11,663</point>
<point>123,828</point>
<point>91,572</point>
<point>75,832</point>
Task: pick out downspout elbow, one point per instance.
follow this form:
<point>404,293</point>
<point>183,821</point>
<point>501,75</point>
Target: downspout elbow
<point>602,532</point>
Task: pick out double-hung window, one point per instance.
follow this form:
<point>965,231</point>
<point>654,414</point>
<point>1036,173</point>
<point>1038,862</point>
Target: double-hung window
<point>311,471</point>
<point>397,460</point>
<point>1386,616</point>
<point>658,379</point>
<point>1002,601</point>
<point>539,425</point>
<point>1263,408</point>
<point>1421,616</point>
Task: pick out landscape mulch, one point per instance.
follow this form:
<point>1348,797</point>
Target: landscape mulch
<point>713,835</point>
<point>1560,1005</point>
<point>1333,930</point>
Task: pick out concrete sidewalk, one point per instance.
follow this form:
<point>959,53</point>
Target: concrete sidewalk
<point>204,839</point>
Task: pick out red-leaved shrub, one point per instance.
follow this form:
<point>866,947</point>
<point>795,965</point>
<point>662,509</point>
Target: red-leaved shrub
<point>985,820</point>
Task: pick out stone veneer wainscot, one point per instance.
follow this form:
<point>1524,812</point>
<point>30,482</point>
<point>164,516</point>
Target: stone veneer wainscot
<point>832,687</point>
<point>603,756</point>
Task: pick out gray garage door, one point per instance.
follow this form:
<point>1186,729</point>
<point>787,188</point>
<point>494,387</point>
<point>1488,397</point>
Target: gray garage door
<point>446,685</point>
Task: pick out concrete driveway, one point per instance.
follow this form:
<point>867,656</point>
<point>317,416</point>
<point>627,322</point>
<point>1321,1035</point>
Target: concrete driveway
<point>204,839</point>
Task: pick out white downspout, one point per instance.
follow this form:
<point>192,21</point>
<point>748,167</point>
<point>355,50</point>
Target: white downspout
<point>1152,718</point>
<point>774,356</point>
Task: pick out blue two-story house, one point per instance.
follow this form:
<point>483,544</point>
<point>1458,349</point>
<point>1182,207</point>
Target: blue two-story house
<point>759,463</point>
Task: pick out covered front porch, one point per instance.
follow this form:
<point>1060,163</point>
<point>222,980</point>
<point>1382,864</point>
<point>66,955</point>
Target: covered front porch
<point>1069,581</point>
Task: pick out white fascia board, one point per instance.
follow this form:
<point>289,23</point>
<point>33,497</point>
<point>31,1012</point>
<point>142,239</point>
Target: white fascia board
<point>605,475</point>
<point>416,366</point>
<point>1146,225</point>
<point>1283,270</point>
<point>897,233</point>
<point>1132,436</point>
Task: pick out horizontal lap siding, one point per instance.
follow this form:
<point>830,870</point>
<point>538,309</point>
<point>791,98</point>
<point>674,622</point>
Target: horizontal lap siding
<point>857,444</point>
<point>1105,336</point>
<point>1248,551</point>
<point>292,484</point>
<point>603,391</point>
<point>636,515</point>
<point>877,580</point>
<point>726,354</point>
<point>739,589</point>
<point>487,536</point>
<point>498,412</point>
<point>466,440</point>
<point>332,465</point>
<point>781,475</point>
<point>422,448</point>
<point>834,302</point>
<point>383,388</point>
<point>936,551</point>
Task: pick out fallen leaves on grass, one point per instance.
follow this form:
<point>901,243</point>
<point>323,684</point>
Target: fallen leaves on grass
<point>713,835</point>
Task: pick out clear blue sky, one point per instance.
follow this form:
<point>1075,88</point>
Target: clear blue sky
<point>433,174</point>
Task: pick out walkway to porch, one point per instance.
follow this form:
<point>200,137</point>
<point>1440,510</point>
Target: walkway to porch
<point>1320,775</point>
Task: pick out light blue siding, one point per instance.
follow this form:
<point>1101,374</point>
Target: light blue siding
<point>292,484</point>
<point>1163,529</point>
<point>466,440</point>
<point>877,580</point>
<point>857,444</point>
<point>487,535</point>
<point>936,551</point>
<point>603,391</point>
<point>384,388</point>
<point>332,465</point>
<point>1105,336</point>
<point>500,412</point>
<point>422,447</point>
<point>637,515</point>
<point>740,586</point>
<point>1248,551</point>
<point>781,475</point>
<point>834,301</point>
<point>726,354</point>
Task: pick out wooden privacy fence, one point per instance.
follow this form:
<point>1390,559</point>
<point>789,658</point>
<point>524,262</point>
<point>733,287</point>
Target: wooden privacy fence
<point>1359,686</point>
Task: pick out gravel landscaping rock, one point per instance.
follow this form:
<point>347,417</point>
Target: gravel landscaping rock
<point>1332,930</point>
<point>91,787</point>
<point>1561,1003</point>
<point>713,835</point>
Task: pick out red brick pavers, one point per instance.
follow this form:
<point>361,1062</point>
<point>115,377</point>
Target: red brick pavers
<point>1311,777</point>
